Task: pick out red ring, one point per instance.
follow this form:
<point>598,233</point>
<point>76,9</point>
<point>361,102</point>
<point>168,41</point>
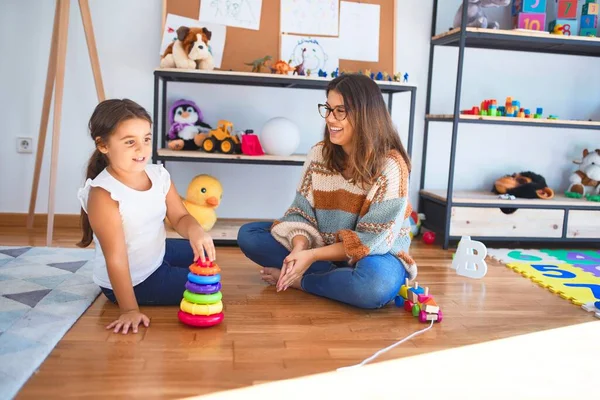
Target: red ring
<point>201,321</point>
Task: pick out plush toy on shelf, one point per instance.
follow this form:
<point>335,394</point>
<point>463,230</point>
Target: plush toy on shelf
<point>586,180</point>
<point>203,196</point>
<point>527,185</point>
<point>187,131</point>
<point>475,15</point>
<point>190,51</point>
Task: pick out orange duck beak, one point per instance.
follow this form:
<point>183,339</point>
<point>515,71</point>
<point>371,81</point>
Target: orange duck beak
<point>212,201</point>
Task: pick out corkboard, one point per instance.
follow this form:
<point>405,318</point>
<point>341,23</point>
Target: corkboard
<point>245,45</point>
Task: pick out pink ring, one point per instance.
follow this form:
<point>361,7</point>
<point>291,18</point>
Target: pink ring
<point>201,321</point>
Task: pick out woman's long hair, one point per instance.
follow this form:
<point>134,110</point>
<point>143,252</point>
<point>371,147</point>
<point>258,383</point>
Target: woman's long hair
<point>103,123</point>
<point>374,134</point>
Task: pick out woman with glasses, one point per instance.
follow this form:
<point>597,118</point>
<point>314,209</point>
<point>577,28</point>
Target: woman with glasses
<point>346,234</point>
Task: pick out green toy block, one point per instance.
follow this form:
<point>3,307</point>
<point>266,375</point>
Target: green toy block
<point>587,32</point>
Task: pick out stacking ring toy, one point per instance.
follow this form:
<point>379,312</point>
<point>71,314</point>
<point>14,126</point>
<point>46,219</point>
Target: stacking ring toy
<point>203,289</point>
<point>198,270</point>
<point>203,280</point>
<point>201,309</point>
<point>202,298</point>
<point>200,321</point>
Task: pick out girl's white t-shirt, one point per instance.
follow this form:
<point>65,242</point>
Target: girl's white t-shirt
<point>143,214</point>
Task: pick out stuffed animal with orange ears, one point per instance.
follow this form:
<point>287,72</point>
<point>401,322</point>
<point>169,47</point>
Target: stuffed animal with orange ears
<point>527,185</point>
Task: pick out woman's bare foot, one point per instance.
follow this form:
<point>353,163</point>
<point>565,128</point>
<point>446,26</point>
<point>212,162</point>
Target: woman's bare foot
<point>271,276</point>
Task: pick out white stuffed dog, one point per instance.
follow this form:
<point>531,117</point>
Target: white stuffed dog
<point>586,180</point>
<point>189,51</point>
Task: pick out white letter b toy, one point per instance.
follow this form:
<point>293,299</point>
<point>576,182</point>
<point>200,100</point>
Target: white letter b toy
<point>467,262</point>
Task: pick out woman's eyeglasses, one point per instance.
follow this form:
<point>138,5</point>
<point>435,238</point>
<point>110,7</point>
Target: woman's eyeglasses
<point>338,113</point>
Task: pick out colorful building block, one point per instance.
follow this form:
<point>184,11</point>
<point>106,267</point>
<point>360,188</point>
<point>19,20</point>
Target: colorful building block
<point>589,9</point>
<point>568,26</point>
<point>533,6</point>
<point>566,9</point>
<point>588,32</point>
<point>530,21</point>
<point>589,21</point>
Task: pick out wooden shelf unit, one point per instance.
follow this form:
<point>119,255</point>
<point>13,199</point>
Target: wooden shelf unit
<point>484,215</point>
<point>225,231</point>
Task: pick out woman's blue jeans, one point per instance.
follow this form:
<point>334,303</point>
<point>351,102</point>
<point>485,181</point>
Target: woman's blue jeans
<point>372,283</point>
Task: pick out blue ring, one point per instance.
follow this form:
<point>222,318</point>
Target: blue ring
<point>204,280</point>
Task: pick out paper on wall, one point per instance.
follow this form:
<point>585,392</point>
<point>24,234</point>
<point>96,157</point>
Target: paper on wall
<point>216,43</point>
<point>236,13</point>
<point>320,53</point>
<point>359,31</point>
<point>312,17</point>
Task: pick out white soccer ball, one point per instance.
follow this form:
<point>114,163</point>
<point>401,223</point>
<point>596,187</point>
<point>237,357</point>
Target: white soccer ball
<point>280,137</point>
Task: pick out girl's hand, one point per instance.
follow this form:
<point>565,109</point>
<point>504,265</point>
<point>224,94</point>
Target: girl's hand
<point>295,264</point>
<point>202,242</point>
<point>129,319</point>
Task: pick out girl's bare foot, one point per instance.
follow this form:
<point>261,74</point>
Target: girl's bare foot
<point>271,276</point>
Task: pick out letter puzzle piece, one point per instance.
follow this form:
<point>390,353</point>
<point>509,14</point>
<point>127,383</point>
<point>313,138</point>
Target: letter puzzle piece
<point>565,280</point>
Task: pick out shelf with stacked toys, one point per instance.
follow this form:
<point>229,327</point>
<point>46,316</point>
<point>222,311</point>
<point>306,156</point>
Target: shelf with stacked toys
<point>202,304</point>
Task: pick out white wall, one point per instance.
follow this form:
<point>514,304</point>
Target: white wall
<point>127,45</point>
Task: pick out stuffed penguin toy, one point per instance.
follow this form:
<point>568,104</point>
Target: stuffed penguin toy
<point>187,131</point>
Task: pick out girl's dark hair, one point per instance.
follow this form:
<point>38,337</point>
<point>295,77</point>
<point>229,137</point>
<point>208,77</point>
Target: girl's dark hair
<point>374,133</point>
<point>103,123</point>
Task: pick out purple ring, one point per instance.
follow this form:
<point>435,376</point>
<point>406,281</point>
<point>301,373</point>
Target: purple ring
<point>203,289</point>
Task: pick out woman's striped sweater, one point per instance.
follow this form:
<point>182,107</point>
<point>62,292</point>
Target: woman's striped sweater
<point>328,209</point>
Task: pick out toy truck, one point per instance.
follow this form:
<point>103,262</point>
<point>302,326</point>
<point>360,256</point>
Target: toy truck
<point>417,301</point>
<point>222,139</point>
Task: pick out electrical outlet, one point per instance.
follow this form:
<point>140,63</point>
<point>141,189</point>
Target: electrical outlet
<point>24,145</point>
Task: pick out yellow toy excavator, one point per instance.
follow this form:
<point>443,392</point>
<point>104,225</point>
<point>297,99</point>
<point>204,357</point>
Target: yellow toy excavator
<point>221,139</point>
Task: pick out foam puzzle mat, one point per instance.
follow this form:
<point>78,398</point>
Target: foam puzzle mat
<point>573,275</point>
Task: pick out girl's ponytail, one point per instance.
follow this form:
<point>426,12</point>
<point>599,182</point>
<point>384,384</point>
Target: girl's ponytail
<point>96,164</point>
<point>103,123</point>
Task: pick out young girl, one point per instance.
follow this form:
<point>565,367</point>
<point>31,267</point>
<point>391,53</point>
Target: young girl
<point>346,235</point>
<point>124,203</point>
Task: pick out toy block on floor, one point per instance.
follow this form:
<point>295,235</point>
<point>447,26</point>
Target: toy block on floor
<point>568,27</point>
<point>589,22</point>
<point>589,9</point>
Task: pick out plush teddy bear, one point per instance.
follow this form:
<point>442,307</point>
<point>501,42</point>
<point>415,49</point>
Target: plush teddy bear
<point>190,50</point>
<point>586,180</point>
<point>187,130</point>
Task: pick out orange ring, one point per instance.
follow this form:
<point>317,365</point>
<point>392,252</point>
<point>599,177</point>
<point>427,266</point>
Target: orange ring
<point>198,270</point>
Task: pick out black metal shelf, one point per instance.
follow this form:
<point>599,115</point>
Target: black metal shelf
<point>531,122</point>
<point>516,40</point>
<point>464,37</point>
<point>264,79</point>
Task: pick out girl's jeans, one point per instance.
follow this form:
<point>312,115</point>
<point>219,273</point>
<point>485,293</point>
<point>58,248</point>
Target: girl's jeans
<point>372,283</point>
<point>166,285</point>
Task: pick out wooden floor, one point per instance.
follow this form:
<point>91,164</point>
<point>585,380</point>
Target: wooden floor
<point>270,336</point>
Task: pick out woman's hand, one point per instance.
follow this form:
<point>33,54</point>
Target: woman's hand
<point>129,319</point>
<point>295,265</point>
<point>202,242</point>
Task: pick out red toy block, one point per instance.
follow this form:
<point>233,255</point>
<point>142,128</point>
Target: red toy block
<point>567,9</point>
<point>408,306</point>
<point>530,21</point>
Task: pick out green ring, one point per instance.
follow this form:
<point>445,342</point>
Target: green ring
<point>202,298</point>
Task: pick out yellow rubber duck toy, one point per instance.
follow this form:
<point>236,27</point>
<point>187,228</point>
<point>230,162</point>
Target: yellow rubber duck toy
<point>203,196</point>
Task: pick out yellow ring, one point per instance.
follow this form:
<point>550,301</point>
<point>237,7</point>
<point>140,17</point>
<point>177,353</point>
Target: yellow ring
<point>201,309</point>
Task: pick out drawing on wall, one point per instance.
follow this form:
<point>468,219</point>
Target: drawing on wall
<point>316,53</point>
<point>314,17</point>
<point>237,13</point>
